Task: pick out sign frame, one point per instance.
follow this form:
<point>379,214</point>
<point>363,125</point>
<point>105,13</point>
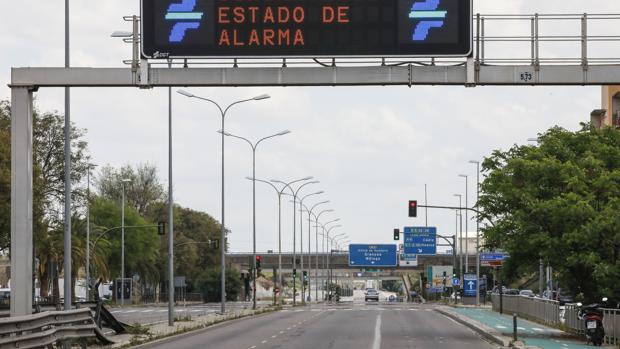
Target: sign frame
<point>165,55</point>
<point>415,232</point>
<point>470,292</point>
<point>376,265</point>
<point>493,259</point>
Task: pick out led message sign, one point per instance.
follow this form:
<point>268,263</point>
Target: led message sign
<point>306,28</point>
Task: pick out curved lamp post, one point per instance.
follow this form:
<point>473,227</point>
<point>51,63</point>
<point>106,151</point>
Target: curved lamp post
<point>295,193</point>
<point>316,250</point>
<point>280,192</point>
<point>254,146</point>
<point>223,113</point>
<point>301,239</point>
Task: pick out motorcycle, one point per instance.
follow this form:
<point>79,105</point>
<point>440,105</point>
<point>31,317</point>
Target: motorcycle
<point>593,317</point>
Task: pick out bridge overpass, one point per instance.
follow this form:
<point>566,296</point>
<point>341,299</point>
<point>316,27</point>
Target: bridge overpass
<point>339,261</point>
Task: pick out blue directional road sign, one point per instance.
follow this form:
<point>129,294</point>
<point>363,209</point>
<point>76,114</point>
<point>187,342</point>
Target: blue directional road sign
<point>470,284</point>
<point>420,240</point>
<point>492,259</point>
<point>372,255</point>
<point>456,281</point>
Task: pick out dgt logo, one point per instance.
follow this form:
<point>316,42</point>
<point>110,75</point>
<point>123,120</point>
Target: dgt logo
<point>183,14</point>
<point>428,16</point>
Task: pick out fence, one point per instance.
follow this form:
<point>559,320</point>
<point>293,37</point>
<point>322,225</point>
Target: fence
<point>44,329</point>
<point>541,310</point>
<point>552,313</point>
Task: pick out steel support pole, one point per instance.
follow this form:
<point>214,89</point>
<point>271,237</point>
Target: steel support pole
<point>21,201</point>
<point>309,256</point>
<point>466,224</point>
<point>301,250</point>
<point>68,292</point>
<point>477,236</point>
<point>122,243</point>
<point>294,254</point>
<point>170,216</point>
<point>88,234</point>
<point>425,203</point>
<point>324,273</point>
<point>541,282</point>
<point>223,234</point>
<point>316,261</point>
<point>254,270</point>
<point>280,246</point>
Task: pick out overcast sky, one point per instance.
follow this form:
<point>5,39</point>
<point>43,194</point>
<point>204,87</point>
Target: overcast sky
<point>372,148</point>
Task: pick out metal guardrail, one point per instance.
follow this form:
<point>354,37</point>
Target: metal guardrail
<point>44,329</point>
<point>550,312</point>
<point>611,323</point>
<point>542,310</point>
<point>499,39</point>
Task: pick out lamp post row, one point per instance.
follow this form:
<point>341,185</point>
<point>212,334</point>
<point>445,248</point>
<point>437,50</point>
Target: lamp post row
<point>294,191</point>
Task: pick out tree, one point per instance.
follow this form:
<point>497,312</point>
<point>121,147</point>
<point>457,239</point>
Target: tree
<point>558,201</point>
<point>196,238</point>
<point>141,240</point>
<point>209,284</point>
<point>141,191</point>
<point>48,187</point>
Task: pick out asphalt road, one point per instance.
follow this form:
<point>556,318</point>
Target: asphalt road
<point>152,314</point>
<point>352,326</point>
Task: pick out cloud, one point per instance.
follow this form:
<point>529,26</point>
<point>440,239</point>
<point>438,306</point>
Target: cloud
<point>372,148</point>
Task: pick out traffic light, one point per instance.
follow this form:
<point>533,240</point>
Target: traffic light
<point>413,208</point>
<point>396,234</point>
<point>161,228</point>
<point>305,274</point>
<point>294,273</point>
<point>258,260</point>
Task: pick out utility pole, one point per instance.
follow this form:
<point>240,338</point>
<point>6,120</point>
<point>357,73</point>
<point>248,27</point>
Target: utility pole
<point>541,273</point>
<point>68,292</point>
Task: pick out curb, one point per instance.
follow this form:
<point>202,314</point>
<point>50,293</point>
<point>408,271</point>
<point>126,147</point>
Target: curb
<point>196,331</point>
<point>488,333</point>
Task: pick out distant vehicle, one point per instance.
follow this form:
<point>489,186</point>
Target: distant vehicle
<point>5,293</point>
<point>563,296</point>
<point>527,293</point>
<point>371,295</point>
<point>512,292</point>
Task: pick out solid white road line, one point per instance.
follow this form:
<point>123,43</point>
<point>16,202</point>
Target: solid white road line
<point>376,343</point>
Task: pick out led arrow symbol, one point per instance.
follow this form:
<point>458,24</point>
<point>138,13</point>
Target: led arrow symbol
<point>426,11</point>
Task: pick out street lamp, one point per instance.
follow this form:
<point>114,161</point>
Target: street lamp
<point>316,232</point>
<point>295,193</point>
<point>477,163</point>
<point>280,192</point>
<point>223,112</point>
<point>460,229</point>
<point>301,239</point>
<point>90,166</point>
<point>466,221</point>
<point>123,181</point>
<point>328,251</point>
<point>254,146</point>
<point>316,250</point>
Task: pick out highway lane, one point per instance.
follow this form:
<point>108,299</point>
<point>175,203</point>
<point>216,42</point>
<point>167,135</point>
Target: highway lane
<point>352,326</point>
<point>157,313</point>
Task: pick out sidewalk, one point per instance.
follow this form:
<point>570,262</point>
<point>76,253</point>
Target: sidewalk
<point>530,333</point>
<point>153,332</point>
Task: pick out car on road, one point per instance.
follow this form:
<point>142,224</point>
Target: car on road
<point>527,293</point>
<point>371,295</point>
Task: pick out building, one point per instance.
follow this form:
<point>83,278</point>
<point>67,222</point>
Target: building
<point>609,114</point>
<point>468,243</point>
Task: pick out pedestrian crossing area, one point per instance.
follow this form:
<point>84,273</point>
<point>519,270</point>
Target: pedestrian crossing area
<point>160,310</point>
<point>361,308</point>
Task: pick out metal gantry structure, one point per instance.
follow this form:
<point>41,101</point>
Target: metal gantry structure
<point>532,59</point>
